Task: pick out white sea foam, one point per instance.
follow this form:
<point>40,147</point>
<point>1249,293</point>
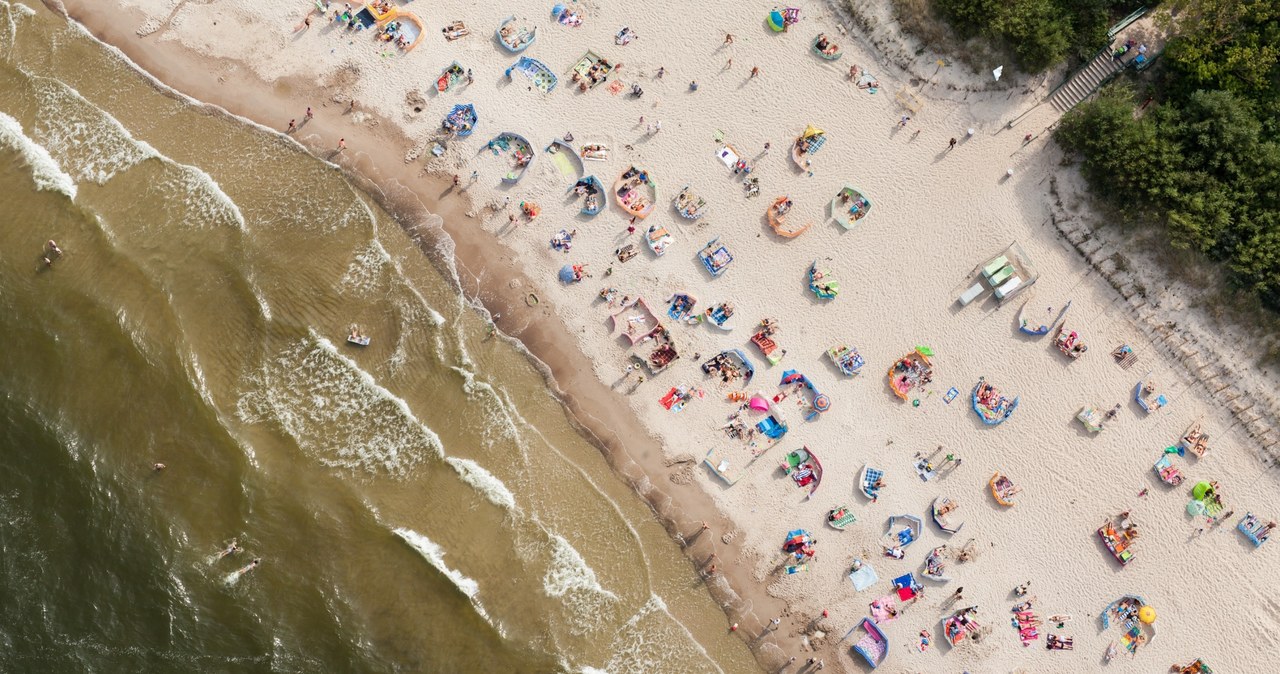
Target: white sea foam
<point>484,482</point>
<point>569,571</point>
<point>653,640</point>
<point>434,554</point>
<point>497,417</point>
<point>45,172</point>
<point>365,271</point>
<point>336,411</point>
<point>95,147</point>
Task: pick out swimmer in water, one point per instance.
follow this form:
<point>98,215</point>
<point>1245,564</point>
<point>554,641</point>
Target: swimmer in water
<point>249,567</point>
<point>229,550</point>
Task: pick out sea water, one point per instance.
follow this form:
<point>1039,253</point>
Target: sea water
<point>419,504</point>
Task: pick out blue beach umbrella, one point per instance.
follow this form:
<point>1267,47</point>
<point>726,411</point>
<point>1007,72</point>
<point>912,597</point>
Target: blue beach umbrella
<point>567,275</point>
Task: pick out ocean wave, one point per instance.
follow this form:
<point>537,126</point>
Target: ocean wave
<point>434,554</point>
<point>337,412</point>
<point>95,147</point>
<point>569,571</point>
<point>484,482</point>
<point>653,640</point>
<point>45,171</point>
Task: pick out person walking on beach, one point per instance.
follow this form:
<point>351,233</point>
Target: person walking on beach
<point>755,71</point>
<point>342,144</point>
<point>293,125</point>
<point>728,38</point>
<point>456,180</point>
<point>774,623</point>
<point>952,145</point>
<point>903,122</point>
<point>309,114</point>
<point>662,70</point>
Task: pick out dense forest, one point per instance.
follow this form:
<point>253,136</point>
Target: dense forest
<point>1195,145</point>
<point>1038,33</point>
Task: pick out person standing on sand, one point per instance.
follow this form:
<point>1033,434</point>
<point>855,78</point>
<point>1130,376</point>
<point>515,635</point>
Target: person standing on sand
<point>293,125</point>
<point>456,180</point>
<point>342,144</point>
<point>755,71</point>
<point>309,114</point>
<point>728,38</point>
<point>952,145</point>
<point>662,70</point>
<point>903,122</point>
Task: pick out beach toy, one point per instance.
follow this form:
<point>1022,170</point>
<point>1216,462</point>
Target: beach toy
<point>1147,614</point>
<point>776,22</point>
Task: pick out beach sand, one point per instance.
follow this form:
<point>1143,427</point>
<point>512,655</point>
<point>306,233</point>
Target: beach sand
<point>937,215</point>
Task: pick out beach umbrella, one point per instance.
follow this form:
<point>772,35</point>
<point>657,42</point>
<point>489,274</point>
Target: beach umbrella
<point>790,376</point>
<point>557,11</point>
<point>821,402</point>
<point>567,274</point>
<point>1195,507</point>
<point>1147,614</point>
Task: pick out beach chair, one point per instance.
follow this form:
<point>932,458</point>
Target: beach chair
<point>995,266</point>
<point>1000,276</point>
<point>971,294</point>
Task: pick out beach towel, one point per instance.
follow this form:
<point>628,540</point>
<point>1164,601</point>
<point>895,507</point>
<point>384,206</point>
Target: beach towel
<point>905,537</point>
<point>872,476</point>
<point>864,577</point>
<point>951,395</point>
<point>923,470</point>
<point>880,610</point>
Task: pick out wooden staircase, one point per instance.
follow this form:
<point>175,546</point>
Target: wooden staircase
<point>1085,81</point>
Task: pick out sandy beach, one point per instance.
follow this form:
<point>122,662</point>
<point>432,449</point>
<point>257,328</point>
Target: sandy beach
<point>938,213</point>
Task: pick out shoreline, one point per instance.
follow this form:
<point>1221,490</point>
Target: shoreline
<point>548,335</point>
<point>600,413</point>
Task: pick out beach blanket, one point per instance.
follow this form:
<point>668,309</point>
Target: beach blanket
<point>864,577</point>
<point>905,537</point>
<point>924,471</point>
<point>880,610</point>
<point>872,476</point>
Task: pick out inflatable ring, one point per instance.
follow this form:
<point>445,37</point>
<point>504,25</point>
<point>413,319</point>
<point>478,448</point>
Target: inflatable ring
<point>531,299</point>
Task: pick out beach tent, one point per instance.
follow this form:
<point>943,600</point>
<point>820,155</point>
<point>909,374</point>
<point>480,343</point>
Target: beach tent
<point>759,404</point>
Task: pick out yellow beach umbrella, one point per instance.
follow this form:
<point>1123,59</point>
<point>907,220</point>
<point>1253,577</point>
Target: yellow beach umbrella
<point>1147,614</point>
